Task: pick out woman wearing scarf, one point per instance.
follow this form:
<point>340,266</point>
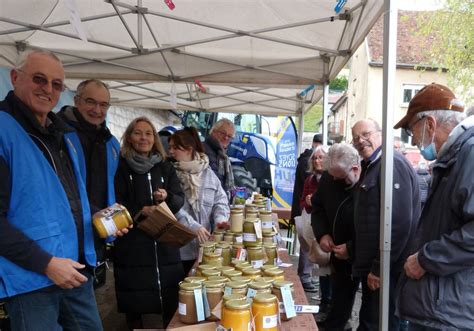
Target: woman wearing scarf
<point>146,272</point>
<point>206,200</point>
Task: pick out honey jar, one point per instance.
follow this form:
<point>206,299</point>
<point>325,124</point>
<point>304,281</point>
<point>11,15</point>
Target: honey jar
<point>203,267</point>
<point>252,273</point>
<point>276,274</point>
<point>265,312</point>
<point>111,219</point>
<point>276,290</point>
<point>210,273</point>
<point>255,256</point>
<point>214,259</point>
<point>249,234</point>
<point>236,219</point>
<point>219,279</point>
<point>187,306</point>
<point>271,253</point>
<point>236,315</point>
<point>242,279</point>
<point>231,273</point>
<point>214,294</point>
<point>267,221</point>
<point>237,287</point>
<point>208,247</point>
<point>225,251</point>
<point>261,286</point>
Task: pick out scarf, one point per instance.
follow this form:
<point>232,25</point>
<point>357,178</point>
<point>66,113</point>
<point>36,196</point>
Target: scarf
<point>142,164</point>
<point>189,174</point>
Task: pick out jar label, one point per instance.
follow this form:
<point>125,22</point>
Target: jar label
<point>182,309</point>
<point>250,237</point>
<point>267,225</point>
<point>218,251</point>
<point>288,301</point>
<point>258,229</point>
<point>257,264</point>
<point>270,321</point>
<point>238,239</point>
<point>109,225</point>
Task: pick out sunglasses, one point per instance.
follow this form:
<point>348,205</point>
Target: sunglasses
<point>40,79</point>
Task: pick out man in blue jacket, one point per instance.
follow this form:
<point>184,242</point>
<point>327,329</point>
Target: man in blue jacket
<point>46,242</point>
<point>437,290</point>
<point>101,153</point>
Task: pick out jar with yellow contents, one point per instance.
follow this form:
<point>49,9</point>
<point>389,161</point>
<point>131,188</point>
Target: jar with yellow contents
<point>111,219</point>
<point>218,235</point>
<point>237,287</point>
<point>214,294</point>
<point>267,221</point>
<point>269,237</point>
<point>225,251</point>
<point>252,273</point>
<point>260,286</point>
<point>236,315</point>
<point>276,290</point>
<point>214,259</point>
<point>208,247</point>
<point>276,274</point>
<point>229,237</point>
<point>265,312</point>
<point>255,256</point>
<point>236,219</point>
<point>187,304</point>
<point>271,253</point>
<point>250,235</point>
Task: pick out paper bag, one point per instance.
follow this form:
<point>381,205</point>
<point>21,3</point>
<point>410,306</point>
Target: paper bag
<point>162,225</point>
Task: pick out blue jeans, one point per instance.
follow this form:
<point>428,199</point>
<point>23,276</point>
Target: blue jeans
<point>56,309</point>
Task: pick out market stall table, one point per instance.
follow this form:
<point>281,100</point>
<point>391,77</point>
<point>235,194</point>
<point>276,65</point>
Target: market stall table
<point>300,322</point>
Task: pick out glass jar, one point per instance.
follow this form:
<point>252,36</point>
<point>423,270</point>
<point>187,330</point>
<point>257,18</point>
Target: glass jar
<point>252,273</point>
<point>276,274</point>
<point>269,238</point>
<point>234,296</point>
<point>218,235</point>
<point>195,279</point>
<point>242,279</point>
<point>252,214</point>
<point>219,279</point>
<point>187,306</point>
<point>242,265</point>
<point>210,272</point>
<point>249,234</point>
<point>236,219</point>
<point>265,312</point>
<point>272,253</point>
<point>111,219</point>
<point>214,259</point>
<point>225,268</point>
<point>229,237</point>
<point>235,248</point>
<point>231,273</point>
<point>214,294</point>
<point>236,315</point>
<point>260,286</point>
<point>237,287</point>
<point>203,267</point>
<point>225,251</point>
<point>267,221</point>
<point>268,267</point>
<point>255,256</point>
<point>208,247</point>
<point>238,238</point>
<point>277,285</point>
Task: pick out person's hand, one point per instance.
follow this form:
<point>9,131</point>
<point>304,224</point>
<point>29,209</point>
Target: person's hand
<point>341,252</point>
<point>202,234</point>
<point>147,210</point>
<point>308,199</point>
<point>160,195</point>
<point>413,268</point>
<point>373,282</point>
<point>63,273</point>
<point>124,231</point>
<point>326,243</point>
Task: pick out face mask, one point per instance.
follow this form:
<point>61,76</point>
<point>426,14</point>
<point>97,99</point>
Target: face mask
<point>428,152</point>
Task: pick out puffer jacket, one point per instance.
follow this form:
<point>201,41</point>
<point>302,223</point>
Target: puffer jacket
<point>214,209</point>
<point>444,297</point>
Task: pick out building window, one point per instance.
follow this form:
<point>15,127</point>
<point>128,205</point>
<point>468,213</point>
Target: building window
<point>409,91</point>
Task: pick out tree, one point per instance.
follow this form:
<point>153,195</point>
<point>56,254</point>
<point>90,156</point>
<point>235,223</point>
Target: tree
<point>452,33</point>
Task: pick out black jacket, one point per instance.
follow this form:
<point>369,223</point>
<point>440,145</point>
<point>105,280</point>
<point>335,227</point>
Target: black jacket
<point>333,214</point>
<point>444,297</point>
<point>146,272</point>
<point>300,176</point>
<point>405,214</point>
<point>14,244</point>
<point>212,148</point>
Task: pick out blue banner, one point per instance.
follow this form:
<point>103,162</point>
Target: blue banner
<point>286,159</point>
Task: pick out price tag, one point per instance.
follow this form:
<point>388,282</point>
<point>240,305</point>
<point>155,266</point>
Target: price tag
<point>227,290</point>
<point>207,310</point>
<point>288,301</point>
<point>258,229</point>
<point>200,254</point>
<point>250,294</point>
<point>199,304</point>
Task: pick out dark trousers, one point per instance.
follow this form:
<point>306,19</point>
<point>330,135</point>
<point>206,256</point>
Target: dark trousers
<point>344,289</point>
<point>369,310</point>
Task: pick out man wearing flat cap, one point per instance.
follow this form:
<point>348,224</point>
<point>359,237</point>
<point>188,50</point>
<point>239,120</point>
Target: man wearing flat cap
<point>437,290</point>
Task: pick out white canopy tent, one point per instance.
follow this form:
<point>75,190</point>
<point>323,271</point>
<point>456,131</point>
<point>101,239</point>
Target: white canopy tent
<point>250,55</point>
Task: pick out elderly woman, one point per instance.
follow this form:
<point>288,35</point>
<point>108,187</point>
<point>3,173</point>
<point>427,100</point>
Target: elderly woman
<point>146,272</point>
<point>206,200</point>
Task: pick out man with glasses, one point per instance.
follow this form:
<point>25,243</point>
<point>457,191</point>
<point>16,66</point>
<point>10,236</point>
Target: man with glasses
<point>101,153</point>
<point>46,238</point>
<point>215,145</point>
<point>437,291</point>
<point>367,140</point>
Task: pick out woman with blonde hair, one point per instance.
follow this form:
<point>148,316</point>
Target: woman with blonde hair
<point>146,272</point>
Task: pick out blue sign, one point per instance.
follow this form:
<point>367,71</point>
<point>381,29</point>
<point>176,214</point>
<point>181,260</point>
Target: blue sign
<point>286,159</point>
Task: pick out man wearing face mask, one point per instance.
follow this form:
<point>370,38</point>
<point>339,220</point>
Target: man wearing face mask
<point>333,225</point>
<point>436,292</point>
<point>367,139</point>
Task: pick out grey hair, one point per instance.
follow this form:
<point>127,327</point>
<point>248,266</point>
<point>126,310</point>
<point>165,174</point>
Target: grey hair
<point>447,118</point>
<point>220,123</point>
<point>23,58</point>
<point>342,156</point>
<point>320,148</point>
<point>82,85</point>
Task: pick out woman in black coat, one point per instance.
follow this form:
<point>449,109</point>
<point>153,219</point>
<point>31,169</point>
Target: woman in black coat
<point>146,272</point>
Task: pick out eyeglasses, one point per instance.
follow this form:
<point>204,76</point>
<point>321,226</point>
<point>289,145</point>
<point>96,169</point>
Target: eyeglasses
<point>93,103</point>
<point>363,136</point>
<point>41,80</point>
<point>409,128</point>
<point>225,135</point>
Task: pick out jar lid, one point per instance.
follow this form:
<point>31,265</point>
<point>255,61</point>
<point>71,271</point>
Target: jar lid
<point>211,272</point>
<point>270,245</point>
<point>233,296</point>
<point>269,234</point>
<point>236,210</point>
<point>268,267</point>
<point>213,284</point>
<point>242,279</point>
<point>213,255</point>
<point>265,297</point>
<point>241,304</point>
<point>282,283</point>
<point>232,273</point>
<point>267,279</point>
<point>220,279</point>
<point>194,279</point>
<point>254,248</point>
<point>259,285</point>
<point>189,286</point>
<point>225,268</point>
<point>208,244</point>
<point>274,272</point>
<point>265,211</point>
<point>237,234</point>
<point>219,231</point>
<point>206,267</point>
<point>251,271</point>
<point>251,220</point>
<point>236,284</point>
<point>223,244</point>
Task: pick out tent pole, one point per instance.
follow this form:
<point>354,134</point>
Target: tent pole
<point>300,126</point>
<point>389,69</point>
<point>325,113</point>
<point>139,25</point>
